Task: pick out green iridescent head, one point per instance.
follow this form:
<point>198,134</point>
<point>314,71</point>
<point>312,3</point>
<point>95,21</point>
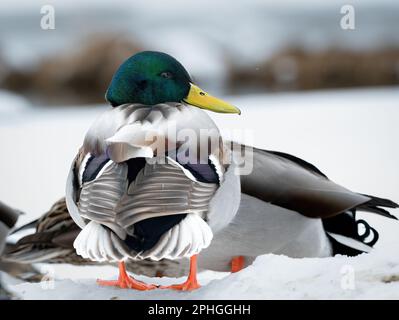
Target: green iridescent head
<point>151,78</point>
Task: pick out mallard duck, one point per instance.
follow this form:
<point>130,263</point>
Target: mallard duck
<point>130,208</point>
<point>285,205</point>
<point>51,241</point>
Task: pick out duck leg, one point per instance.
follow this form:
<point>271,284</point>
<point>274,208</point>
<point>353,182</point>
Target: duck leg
<point>237,263</point>
<point>125,281</point>
<point>191,283</point>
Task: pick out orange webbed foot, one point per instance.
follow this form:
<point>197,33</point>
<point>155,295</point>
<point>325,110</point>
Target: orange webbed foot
<point>191,283</point>
<point>129,283</point>
<point>188,285</point>
<point>237,264</point>
<point>126,282</point>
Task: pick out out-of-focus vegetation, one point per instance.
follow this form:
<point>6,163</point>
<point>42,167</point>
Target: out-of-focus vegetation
<point>78,76</point>
<point>83,74</point>
<point>229,47</point>
<point>296,69</point>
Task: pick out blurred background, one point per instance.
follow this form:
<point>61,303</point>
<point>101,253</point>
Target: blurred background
<point>230,47</point>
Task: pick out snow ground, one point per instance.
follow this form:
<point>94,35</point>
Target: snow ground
<point>373,276</point>
<point>351,135</point>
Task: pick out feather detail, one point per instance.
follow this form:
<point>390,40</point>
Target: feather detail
<point>185,239</point>
<point>97,243</point>
<point>163,189</point>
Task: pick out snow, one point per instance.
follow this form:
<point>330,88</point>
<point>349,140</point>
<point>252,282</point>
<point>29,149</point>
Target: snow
<point>372,276</point>
<point>11,105</point>
<point>351,135</point>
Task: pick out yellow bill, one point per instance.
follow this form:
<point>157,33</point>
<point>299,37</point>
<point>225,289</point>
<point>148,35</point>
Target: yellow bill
<point>199,98</point>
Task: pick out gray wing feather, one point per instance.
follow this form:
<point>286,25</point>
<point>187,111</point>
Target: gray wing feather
<point>99,197</point>
<point>296,187</point>
<point>163,189</point>
<point>71,196</point>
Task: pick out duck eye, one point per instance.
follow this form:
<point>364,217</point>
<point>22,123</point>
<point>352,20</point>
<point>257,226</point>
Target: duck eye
<point>166,75</point>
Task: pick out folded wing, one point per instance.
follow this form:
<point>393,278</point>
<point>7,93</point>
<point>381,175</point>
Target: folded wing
<point>297,185</point>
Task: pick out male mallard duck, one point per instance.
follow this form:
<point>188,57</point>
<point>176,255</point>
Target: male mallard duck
<point>131,208</point>
<point>286,206</point>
